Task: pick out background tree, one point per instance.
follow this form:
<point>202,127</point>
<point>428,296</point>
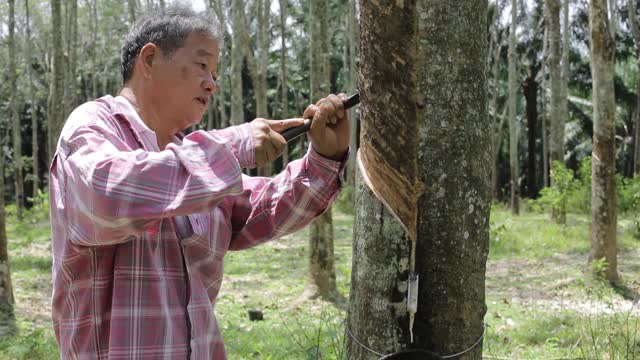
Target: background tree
<point>55,114</point>
<point>603,185</point>
<point>322,273</point>
<point>450,229</point>
<point>237,60</point>
<point>635,31</point>
<point>35,180</point>
<point>7,318</point>
<point>284,86</point>
<point>555,75</point>
<point>15,120</point>
<point>513,129</point>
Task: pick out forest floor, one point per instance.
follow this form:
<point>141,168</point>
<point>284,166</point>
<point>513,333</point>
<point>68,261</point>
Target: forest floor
<point>539,304</point>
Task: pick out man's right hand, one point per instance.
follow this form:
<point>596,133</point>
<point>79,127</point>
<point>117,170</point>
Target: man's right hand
<point>268,142</point>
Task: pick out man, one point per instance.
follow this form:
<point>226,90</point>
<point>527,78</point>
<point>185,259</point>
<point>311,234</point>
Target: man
<point>142,216</point>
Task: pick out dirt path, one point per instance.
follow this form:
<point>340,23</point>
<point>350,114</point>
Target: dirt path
<point>557,283</point>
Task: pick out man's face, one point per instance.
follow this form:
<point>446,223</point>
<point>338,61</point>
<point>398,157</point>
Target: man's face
<point>183,82</point>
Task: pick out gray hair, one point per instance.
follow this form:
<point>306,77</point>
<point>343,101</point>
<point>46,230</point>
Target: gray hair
<point>168,29</point>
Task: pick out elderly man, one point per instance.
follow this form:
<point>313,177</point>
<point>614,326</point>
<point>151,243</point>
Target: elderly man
<point>142,215</point>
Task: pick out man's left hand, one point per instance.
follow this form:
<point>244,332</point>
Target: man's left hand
<point>329,131</point>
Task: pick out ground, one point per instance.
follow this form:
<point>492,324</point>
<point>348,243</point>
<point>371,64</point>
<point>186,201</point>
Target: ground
<point>539,304</point>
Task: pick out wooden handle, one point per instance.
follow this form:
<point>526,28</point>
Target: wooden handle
<point>294,132</point>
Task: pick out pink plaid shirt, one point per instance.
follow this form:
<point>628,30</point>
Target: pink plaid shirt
<point>126,284</point>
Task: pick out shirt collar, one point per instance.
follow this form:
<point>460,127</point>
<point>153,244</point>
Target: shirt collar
<point>147,136</point>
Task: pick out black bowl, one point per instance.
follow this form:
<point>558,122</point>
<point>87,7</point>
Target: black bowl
<point>413,354</point>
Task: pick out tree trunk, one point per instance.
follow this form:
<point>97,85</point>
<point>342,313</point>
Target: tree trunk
<point>284,88</point>
<point>564,109</point>
<point>262,63</point>
<point>557,124</point>
<point>513,126</point>
<point>636,150</point>
<point>15,120</point>
<point>56,117</point>
<point>603,185</point>
<point>35,180</point>
<point>441,101</point>
<point>70,87</point>
<point>352,36</point>
<point>264,40</point>
<point>94,50</point>
<point>530,89</point>
<point>221,93</point>
<point>635,31</point>
<point>132,11</point>
<point>237,59</point>
<point>322,272</point>
<point>7,316</point>
<point>497,124</point>
<point>543,110</point>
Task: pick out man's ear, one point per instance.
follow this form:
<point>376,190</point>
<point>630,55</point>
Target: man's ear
<point>146,58</point>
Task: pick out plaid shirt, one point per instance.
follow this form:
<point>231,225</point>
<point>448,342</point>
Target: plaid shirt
<point>130,282</point>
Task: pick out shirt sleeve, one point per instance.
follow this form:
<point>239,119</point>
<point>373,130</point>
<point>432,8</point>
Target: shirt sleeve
<point>113,192</point>
<point>269,208</point>
<point>240,140</point>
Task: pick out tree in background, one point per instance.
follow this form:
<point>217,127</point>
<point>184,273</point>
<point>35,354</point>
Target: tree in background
<point>35,174</point>
<point>284,86</point>
<point>322,271</point>
<point>635,31</point>
<point>237,59</point>
<point>513,129</point>
<point>441,192</point>
<point>603,184</point>
<point>13,110</point>
<point>55,116</point>
<point>7,317</point>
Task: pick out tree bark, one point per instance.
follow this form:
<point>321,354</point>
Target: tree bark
<point>7,315</point>
<point>56,117</point>
<point>603,185</point>
<point>636,150</point>
<point>284,88</point>
<point>94,50</point>
<point>132,11</point>
<point>564,108</point>
<point>70,88</point>
<point>262,63</point>
<point>221,93</point>
<point>322,272</point>
<point>635,31</point>
<point>530,89</point>
<point>544,107</point>
<point>15,120</point>
<point>557,125</point>
<point>513,126</point>
<point>498,121</point>
<point>35,180</point>
<point>441,47</point>
<point>237,59</point>
<point>352,37</point>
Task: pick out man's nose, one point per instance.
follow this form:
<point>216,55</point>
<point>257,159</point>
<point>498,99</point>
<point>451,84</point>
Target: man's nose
<point>210,84</point>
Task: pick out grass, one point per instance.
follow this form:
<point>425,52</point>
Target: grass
<point>539,306</point>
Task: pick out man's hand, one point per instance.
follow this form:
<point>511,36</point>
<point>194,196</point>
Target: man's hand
<point>268,142</point>
<point>329,131</point>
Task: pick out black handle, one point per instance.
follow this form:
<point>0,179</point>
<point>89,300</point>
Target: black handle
<point>294,132</point>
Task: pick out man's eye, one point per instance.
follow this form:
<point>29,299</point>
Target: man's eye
<point>202,66</point>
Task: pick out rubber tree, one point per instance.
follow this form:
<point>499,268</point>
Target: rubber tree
<point>425,152</point>
<point>603,171</point>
